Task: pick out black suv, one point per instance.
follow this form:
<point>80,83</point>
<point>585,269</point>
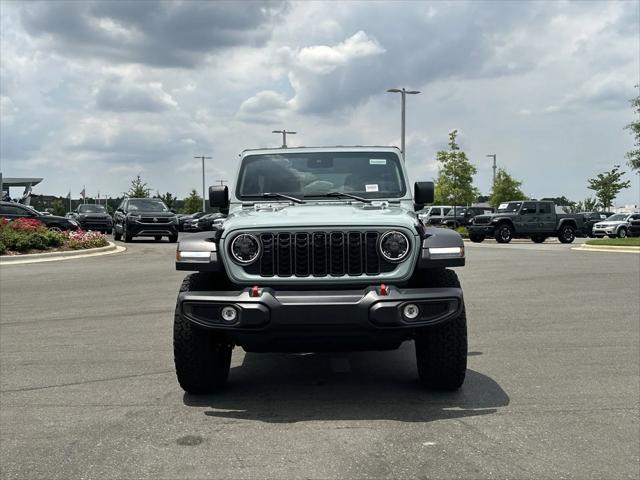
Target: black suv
<point>462,216</point>
<point>92,217</point>
<point>144,217</point>
<point>12,210</point>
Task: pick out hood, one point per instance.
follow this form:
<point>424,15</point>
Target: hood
<point>324,215</point>
<point>94,215</point>
<point>610,222</point>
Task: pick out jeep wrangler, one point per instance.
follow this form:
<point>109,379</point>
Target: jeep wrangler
<point>321,250</point>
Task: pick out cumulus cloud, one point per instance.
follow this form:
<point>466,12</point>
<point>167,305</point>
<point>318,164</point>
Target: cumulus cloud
<point>164,34</point>
<point>264,107</point>
<point>117,95</point>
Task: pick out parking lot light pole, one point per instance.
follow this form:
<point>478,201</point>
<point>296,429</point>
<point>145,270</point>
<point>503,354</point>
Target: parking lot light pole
<point>403,92</point>
<point>284,133</point>
<point>494,168</point>
<point>203,158</point>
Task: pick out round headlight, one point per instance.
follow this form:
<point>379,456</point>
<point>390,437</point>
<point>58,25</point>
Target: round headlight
<point>245,248</point>
<point>394,246</point>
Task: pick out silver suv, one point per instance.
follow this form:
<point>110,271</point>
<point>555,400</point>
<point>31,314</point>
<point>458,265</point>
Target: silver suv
<point>617,225</point>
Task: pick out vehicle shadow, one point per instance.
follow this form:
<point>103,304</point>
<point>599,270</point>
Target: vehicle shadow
<point>286,388</point>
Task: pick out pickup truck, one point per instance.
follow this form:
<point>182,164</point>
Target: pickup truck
<point>526,219</point>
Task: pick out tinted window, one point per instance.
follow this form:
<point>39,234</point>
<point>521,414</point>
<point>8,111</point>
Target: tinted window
<point>88,208</point>
<point>528,207</point>
<point>13,210</point>
<point>147,205</point>
<point>367,174</point>
<point>544,207</point>
<point>435,211</point>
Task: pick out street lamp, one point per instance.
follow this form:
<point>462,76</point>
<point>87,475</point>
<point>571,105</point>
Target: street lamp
<point>284,136</point>
<point>404,94</point>
<point>203,158</point>
<point>494,167</point>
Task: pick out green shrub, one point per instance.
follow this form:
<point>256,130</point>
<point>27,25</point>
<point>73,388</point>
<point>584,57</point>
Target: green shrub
<point>3,248</point>
<point>464,233</point>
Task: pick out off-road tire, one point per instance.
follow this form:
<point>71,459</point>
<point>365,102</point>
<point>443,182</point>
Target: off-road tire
<point>202,357</point>
<point>441,350</point>
<point>538,238</point>
<point>504,233</point>
<point>125,234</point>
<point>116,236</point>
<point>622,232</point>
<point>476,237</point>
<point>566,234</point>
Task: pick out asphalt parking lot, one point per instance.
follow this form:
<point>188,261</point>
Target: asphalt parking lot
<point>553,391</point>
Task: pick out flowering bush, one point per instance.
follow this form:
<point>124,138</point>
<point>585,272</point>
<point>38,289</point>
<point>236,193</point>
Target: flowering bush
<point>81,239</point>
<point>24,234</point>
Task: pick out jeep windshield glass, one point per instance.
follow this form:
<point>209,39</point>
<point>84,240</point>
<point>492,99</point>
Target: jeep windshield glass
<point>145,205</point>
<point>509,207</point>
<point>91,209</point>
<point>307,175</point>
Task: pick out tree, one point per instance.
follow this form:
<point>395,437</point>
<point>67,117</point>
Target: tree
<point>634,155</point>
<point>168,199</point>
<point>454,185</point>
<point>58,207</point>
<point>193,203</point>
<point>590,204</point>
<point>138,189</point>
<point>505,188</point>
<point>607,185</point>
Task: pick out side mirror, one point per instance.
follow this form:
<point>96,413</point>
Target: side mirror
<point>219,197</point>
<point>119,210</point>
<point>423,192</point>
<point>172,210</point>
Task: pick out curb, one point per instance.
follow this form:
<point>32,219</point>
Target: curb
<point>607,248</point>
<point>56,256</point>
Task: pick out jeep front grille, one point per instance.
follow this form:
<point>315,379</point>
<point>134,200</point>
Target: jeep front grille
<point>319,254</point>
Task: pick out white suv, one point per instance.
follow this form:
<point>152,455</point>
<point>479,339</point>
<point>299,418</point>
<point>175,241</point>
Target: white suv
<point>433,215</point>
<point>616,225</point>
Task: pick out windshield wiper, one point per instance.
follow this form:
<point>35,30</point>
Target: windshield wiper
<point>282,195</point>
<point>343,194</point>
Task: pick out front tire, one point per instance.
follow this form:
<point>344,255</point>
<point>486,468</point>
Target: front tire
<point>567,234</point>
<point>173,238</point>
<point>504,233</point>
<point>202,357</point>
<point>622,232</point>
<point>127,237</point>
<point>441,350</point>
<point>538,238</point>
<point>476,237</point>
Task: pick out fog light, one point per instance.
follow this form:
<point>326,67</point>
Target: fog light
<point>411,311</point>
<point>229,314</point>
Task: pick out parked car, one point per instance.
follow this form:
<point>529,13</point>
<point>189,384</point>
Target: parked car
<point>206,222</point>
<point>634,225</point>
<point>144,217</point>
<point>616,225</point>
<point>92,217</point>
<point>433,215</point>
<point>12,211</point>
<point>526,219</point>
<point>590,219</point>
<point>345,268</point>
<point>187,218</point>
<point>462,216</point>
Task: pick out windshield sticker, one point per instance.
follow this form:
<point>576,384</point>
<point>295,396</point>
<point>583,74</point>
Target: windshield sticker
<point>503,206</point>
<point>371,187</point>
<point>377,161</point>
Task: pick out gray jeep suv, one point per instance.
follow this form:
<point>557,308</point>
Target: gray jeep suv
<point>321,250</point>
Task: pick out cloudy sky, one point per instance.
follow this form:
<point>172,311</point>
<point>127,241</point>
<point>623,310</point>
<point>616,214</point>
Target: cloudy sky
<point>96,92</point>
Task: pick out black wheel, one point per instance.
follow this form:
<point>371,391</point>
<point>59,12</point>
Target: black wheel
<point>116,236</point>
<point>566,234</point>
<point>125,234</point>
<point>55,229</point>
<point>108,231</point>
<point>202,357</point>
<point>173,238</point>
<point>441,350</point>
<point>476,237</point>
<point>622,232</point>
<point>157,238</point>
<point>538,238</point>
<point>504,233</point>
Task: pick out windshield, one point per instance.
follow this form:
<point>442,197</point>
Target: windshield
<point>618,217</point>
<point>91,209</point>
<point>509,207</point>
<point>147,205</point>
<point>367,174</point>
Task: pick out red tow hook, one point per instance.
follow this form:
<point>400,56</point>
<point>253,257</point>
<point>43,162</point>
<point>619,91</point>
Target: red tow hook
<point>384,289</point>
<point>255,291</point>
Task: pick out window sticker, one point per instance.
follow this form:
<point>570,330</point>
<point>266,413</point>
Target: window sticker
<point>502,206</point>
<point>371,187</point>
<point>377,161</point>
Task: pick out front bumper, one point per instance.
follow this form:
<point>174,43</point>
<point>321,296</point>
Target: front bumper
<point>152,229</point>
<point>95,225</point>
<point>601,232</point>
<point>321,320</point>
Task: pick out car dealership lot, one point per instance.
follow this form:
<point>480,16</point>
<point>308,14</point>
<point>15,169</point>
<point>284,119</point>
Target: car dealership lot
<point>88,388</point>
